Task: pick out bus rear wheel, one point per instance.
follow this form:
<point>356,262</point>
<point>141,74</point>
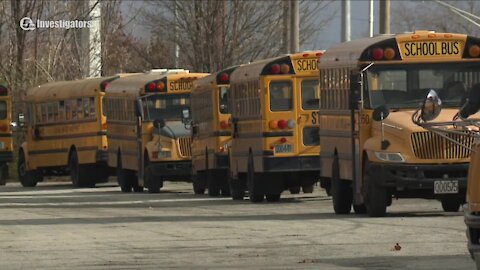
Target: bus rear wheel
<point>254,192</point>
<point>123,177</point>
<point>199,183</point>
<point>212,183</point>
<point>3,174</point>
<point>27,178</point>
<point>79,173</point>
<point>341,191</point>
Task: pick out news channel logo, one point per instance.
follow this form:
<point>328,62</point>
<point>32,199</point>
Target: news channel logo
<point>28,24</point>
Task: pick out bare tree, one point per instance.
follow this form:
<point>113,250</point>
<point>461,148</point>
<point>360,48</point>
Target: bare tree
<point>212,35</point>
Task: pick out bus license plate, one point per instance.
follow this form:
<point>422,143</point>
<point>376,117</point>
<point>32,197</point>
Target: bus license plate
<point>445,187</point>
<point>283,148</point>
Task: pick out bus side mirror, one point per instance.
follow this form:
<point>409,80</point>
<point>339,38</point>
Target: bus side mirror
<point>20,120</point>
<point>431,107</point>
<point>355,91</point>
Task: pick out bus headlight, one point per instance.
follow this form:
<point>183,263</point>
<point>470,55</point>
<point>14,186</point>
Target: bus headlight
<point>161,154</point>
<point>389,157</point>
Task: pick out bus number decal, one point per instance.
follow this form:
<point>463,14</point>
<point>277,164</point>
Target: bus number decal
<point>314,116</point>
<point>181,85</point>
<point>431,48</point>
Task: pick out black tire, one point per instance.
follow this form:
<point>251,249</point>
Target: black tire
<point>100,173</point>
<point>273,197</point>
<point>153,185</point>
<point>3,174</point>
<point>254,193</point>
<point>375,193</point>
<point>198,183</point>
<point>212,183</point>
<point>307,188</point>
<point>80,174</point>
<point>451,204</point>
<point>294,189</point>
<point>342,197</point>
<point>123,177</point>
<point>360,208</point>
<point>237,189</point>
<point>27,178</point>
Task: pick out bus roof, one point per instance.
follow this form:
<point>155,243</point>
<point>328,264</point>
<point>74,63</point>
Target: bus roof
<point>65,89</point>
<point>213,77</point>
<point>135,84</point>
<point>352,52</point>
<point>255,69</point>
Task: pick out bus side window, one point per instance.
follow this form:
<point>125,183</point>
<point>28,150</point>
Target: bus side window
<point>61,110</point>
<point>79,109</point>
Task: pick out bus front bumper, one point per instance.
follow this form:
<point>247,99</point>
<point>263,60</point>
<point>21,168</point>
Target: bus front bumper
<point>6,156</point>
<point>221,161</point>
<point>289,164</point>
<point>421,176</point>
<point>172,170</point>
<point>102,155</point>
<point>472,220</point>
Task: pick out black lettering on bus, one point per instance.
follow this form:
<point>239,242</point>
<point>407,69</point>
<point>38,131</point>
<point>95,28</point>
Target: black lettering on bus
<point>455,49</point>
<point>314,116</point>
<point>407,49</point>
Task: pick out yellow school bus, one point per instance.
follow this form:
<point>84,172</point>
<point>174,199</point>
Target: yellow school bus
<point>65,133</point>
<point>149,142</point>
<point>6,144</point>
<point>371,150</point>
<point>274,106</point>
<point>211,133</point>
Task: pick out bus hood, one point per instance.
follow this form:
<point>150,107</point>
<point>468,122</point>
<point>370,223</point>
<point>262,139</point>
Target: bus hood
<point>402,120</point>
<point>174,130</point>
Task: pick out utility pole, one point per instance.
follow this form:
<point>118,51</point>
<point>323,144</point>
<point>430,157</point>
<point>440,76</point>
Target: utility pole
<point>384,16</point>
<point>286,27</point>
<point>370,18</point>
<point>95,43</point>
<point>346,20</point>
<point>294,27</point>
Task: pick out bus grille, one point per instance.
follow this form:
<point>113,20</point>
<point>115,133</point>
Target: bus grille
<point>428,145</point>
<point>185,144</point>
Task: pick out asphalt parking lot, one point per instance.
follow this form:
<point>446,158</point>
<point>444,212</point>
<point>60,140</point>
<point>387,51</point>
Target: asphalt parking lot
<point>54,226</point>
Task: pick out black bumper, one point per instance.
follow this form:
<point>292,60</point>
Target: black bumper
<point>6,156</point>
<point>289,164</point>
<point>221,161</point>
<point>473,231</point>
<point>420,176</point>
<point>102,155</point>
<point>172,169</point>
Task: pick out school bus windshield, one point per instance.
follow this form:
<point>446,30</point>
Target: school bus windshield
<point>167,107</point>
<point>405,86</point>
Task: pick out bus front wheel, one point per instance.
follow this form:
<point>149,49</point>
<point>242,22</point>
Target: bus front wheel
<point>376,194</point>
<point>27,178</point>
<point>341,191</point>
